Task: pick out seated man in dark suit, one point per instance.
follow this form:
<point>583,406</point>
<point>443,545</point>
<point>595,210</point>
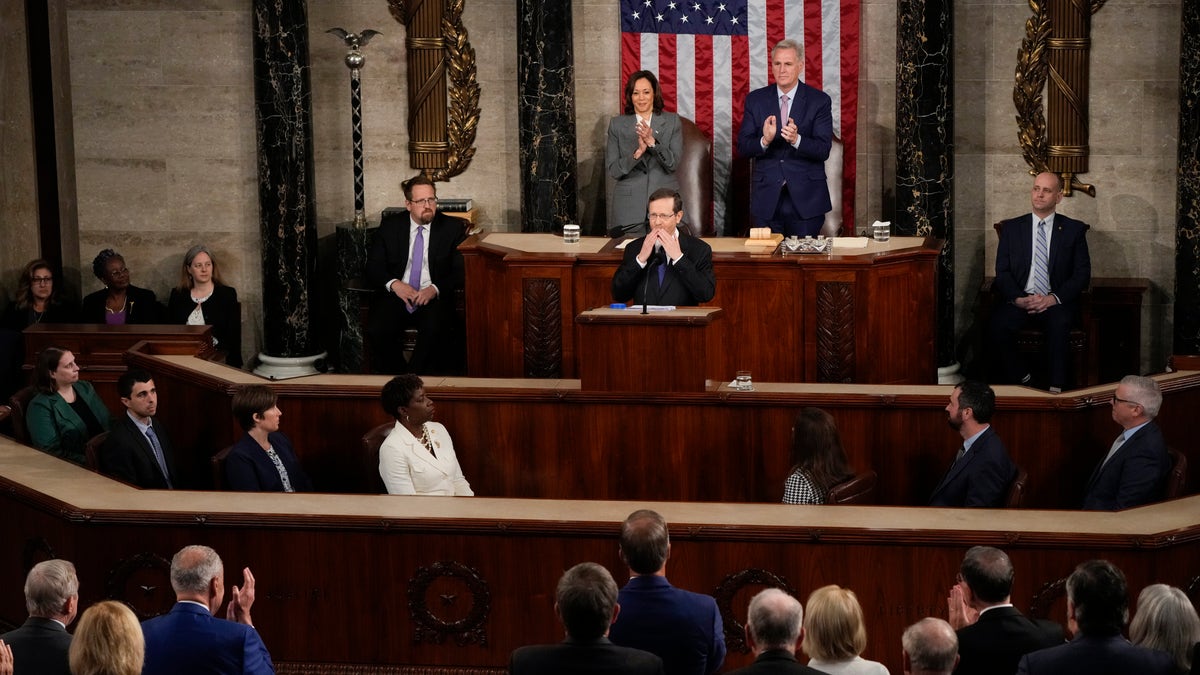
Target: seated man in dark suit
<point>982,471</point>
<point>1134,472</point>
<point>137,449</point>
<point>930,647</point>
<point>992,634</point>
<point>414,258</point>
<point>41,644</point>
<point>773,629</point>
<point>682,627</point>
<point>1097,609</point>
<point>665,267</point>
<point>1042,268</point>
<point>189,638</point>
<point>586,603</point>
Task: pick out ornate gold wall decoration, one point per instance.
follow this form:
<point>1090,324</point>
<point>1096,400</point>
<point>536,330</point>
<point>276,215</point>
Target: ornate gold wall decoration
<point>440,139</point>
<point>1054,55</point>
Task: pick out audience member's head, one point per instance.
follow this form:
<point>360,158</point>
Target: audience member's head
<point>54,364</point>
<point>930,646</point>
<point>834,629</point>
<point>199,264</point>
<point>988,574</point>
<point>645,543</point>
<point>37,285</point>
<point>979,397</point>
<point>773,621</point>
<point>586,601</point>
<point>399,392</point>
<point>250,402</point>
<point>52,591</point>
<point>1096,598</point>
<point>1140,392</point>
<point>108,641</point>
<point>817,448</point>
<point>1166,621</point>
<point>197,574</point>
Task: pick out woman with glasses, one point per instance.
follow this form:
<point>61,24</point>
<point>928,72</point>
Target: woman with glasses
<point>38,299</point>
<point>119,302</point>
<point>202,299</point>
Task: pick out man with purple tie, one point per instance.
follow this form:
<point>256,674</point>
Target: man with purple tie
<point>415,259</point>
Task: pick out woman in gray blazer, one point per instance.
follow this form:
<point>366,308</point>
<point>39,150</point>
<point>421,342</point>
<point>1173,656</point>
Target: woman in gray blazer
<point>644,146</point>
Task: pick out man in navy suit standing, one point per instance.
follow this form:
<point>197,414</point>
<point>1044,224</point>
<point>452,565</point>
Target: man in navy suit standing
<point>982,470</point>
<point>1134,472</point>
<point>787,128</point>
<point>1097,610</point>
<point>189,639</point>
<point>40,646</point>
<point>992,634</point>
<point>681,627</point>
<point>1042,269</point>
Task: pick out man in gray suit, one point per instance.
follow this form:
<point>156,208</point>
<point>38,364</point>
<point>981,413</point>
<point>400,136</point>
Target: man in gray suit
<point>40,646</point>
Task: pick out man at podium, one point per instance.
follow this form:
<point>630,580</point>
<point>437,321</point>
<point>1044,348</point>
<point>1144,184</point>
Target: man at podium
<point>665,267</point>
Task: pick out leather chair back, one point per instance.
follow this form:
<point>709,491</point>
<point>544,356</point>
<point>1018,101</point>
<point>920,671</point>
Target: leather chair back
<point>19,404</point>
<point>91,451</point>
<point>217,464</point>
<point>739,224</point>
<point>1177,479</point>
<point>858,490</point>
<point>1016,489</point>
<point>371,442</point>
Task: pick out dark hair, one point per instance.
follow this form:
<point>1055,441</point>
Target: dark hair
<point>979,398</point>
<point>586,595</point>
<point>101,259</point>
<point>667,193</point>
<point>419,179</point>
<point>1097,590</point>
<point>645,542</point>
<point>128,378</point>
<point>817,448</point>
<point>24,297</point>
<point>185,279</point>
<point>251,400</point>
<point>632,82</point>
<point>399,392</point>
<point>988,573</point>
<point>47,361</point>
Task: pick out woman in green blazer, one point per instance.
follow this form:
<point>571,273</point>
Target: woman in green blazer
<point>66,411</point>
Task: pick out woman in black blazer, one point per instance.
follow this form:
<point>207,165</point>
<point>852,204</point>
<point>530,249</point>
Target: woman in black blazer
<point>119,302</point>
<point>202,299</point>
<point>263,460</point>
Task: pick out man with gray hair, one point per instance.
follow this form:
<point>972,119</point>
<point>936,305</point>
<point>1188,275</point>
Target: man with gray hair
<point>40,645</point>
<point>773,629</point>
<point>586,603</point>
<point>190,639</point>
<point>1134,472</point>
<point>930,648</point>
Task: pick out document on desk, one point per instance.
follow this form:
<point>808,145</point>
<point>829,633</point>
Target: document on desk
<point>651,308</point>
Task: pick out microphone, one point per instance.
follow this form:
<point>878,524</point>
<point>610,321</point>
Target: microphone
<point>655,259</point>
<point>621,230</point>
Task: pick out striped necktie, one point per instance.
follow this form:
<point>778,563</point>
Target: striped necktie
<point>1041,262</point>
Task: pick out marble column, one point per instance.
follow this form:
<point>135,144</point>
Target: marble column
<point>1187,219</point>
<point>286,189</point>
<point>925,142</point>
<point>546,115</point>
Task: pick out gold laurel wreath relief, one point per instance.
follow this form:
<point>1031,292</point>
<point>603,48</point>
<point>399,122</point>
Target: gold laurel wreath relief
<point>1027,92</point>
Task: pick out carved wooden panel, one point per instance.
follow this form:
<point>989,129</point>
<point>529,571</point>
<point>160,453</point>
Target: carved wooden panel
<point>730,586</point>
<point>438,609</point>
<point>142,581</point>
<point>541,308</point>
<point>835,332</point>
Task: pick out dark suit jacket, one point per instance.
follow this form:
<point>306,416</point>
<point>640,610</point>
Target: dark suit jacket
<point>1070,265</point>
<point>638,178</point>
<point>776,661</point>
<point>389,253</point>
<point>1135,475</point>
<point>682,627</point>
<point>19,319</point>
<point>249,469</point>
<point>995,643</point>
<point>188,640</point>
<point>126,455</point>
<point>981,478</point>
<point>142,305</point>
<point>584,657</point>
<point>39,647</point>
<point>687,282</point>
<point>803,167</point>
<point>1097,656</point>
<point>221,311</point>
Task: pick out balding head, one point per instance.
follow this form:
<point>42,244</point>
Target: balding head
<point>645,542</point>
<point>774,621</point>
<point>52,591</point>
<point>930,648</point>
<point>197,574</point>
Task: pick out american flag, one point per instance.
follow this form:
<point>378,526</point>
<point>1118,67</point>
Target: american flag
<point>708,54</point>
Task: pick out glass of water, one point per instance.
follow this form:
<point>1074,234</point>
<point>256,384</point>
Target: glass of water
<point>743,382</point>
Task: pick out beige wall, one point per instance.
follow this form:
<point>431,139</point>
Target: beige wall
<point>164,132</point>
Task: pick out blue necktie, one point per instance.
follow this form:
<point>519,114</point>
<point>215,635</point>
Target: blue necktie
<point>418,258</point>
<point>158,454</point>
<point>1041,262</point>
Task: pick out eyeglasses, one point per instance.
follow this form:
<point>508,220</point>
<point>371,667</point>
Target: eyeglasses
<point>41,280</point>
<point>1116,400</point>
<point>660,216</point>
<point>428,201</point>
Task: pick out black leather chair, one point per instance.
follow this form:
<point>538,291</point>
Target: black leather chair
<point>18,403</point>
<point>1177,479</point>
<point>1016,490</point>
<point>371,442</point>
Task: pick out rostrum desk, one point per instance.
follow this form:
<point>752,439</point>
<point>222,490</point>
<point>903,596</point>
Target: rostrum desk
<point>860,315</point>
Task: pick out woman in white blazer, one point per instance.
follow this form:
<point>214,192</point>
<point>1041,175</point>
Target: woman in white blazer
<point>417,458</point>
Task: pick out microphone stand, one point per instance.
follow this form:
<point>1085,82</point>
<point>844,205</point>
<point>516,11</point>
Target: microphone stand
<point>654,259</point>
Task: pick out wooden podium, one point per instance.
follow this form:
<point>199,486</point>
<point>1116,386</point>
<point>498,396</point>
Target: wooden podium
<point>625,350</point>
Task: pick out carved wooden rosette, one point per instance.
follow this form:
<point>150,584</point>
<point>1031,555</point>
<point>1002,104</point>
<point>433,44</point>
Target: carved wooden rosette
<point>441,138</point>
<point>730,586</point>
<point>142,581</point>
<point>429,626</point>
